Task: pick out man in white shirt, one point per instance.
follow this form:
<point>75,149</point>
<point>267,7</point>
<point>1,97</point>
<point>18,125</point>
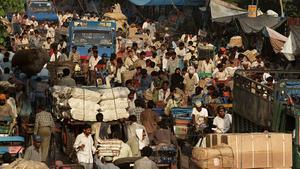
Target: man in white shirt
<point>84,146</point>
<point>181,51</point>
<point>130,60</point>
<point>146,24</point>
<point>47,43</point>
<point>206,66</point>
<point>55,57</point>
<point>137,136</point>
<point>199,115</point>
<point>222,121</point>
<point>92,67</point>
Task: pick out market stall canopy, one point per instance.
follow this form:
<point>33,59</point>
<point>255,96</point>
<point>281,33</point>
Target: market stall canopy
<point>276,39</point>
<point>292,46</point>
<point>254,25</point>
<point>167,2</point>
<point>225,12</point>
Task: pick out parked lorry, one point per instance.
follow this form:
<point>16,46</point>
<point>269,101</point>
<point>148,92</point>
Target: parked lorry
<point>42,10</point>
<point>86,34</point>
<point>263,108</point>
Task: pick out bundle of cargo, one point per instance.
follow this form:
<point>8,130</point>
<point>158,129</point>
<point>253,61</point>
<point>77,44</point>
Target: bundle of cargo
<point>205,51</point>
<point>109,147</point>
<point>235,41</point>
<point>118,16</point>
<point>84,103</point>
<point>26,164</point>
<point>220,156</point>
<point>114,103</point>
<point>251,55</point>
<point>256,150</point>
<point>182,117</point>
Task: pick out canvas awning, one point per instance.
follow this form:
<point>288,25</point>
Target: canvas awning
<point>225,12</point>
<point>292,46</point>
<point>167,2</point>
<point>276,39</point>
<point>254,25</point>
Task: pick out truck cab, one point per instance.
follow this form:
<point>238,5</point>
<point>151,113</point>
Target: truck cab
<point>86,34</point>
<point>273,108</point>
<point>43,10</point>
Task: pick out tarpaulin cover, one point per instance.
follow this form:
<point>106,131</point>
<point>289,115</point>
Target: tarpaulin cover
<point>225,12</point>
<point>254,25</point>
<point>167,2</point>
<point>292,46</point>
<point>276,39</point>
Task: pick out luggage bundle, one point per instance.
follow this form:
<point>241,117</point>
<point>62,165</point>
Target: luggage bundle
<point>84,103</point>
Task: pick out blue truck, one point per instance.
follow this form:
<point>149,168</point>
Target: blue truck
<point>42,10</point>
<point>86,34</point>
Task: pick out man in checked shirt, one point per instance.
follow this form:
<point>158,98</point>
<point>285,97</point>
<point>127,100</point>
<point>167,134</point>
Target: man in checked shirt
<point>43,127</point>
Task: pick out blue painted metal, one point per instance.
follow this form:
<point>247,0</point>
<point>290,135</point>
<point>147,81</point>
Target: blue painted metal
<point>167,2</point>
<point>12,139</point>
<point>95,30</point>
<point>48,14</point>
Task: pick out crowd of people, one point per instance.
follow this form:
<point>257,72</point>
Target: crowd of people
<point>161,71</point>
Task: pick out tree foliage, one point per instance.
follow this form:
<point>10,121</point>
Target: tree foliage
<point>9,6</point>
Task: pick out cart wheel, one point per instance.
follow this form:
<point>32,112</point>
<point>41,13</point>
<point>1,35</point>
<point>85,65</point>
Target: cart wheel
<point>68,142</point>
<point>52,150</point>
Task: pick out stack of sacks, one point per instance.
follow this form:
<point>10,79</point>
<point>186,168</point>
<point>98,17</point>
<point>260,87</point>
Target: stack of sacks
<point>26,164</point>
<point>109,147</point>
<point>84,104</point>
<point>114,103</point>
<point>84,110</point>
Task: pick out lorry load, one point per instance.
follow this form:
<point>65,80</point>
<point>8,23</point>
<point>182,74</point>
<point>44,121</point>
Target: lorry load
<point>118,16</point>
<point>250,150</point>
<point>83,104</point>
<point>109,147</point>
<point>26,164</point>
<point>30,61</point>
<point>220,156</point>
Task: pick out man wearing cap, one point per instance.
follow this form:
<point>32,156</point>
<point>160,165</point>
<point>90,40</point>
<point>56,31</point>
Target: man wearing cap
<point>106,163</point>
<point>34,152</point>
<point>191,80</point>
<point>199,115</point>
<point>5,108</point>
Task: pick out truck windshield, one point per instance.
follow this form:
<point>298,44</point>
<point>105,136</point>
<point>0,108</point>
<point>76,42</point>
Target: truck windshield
<point>92,37</point>
<point>40,7</point>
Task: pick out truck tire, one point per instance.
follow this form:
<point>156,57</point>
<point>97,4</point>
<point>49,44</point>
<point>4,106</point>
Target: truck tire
<point>68,138</point>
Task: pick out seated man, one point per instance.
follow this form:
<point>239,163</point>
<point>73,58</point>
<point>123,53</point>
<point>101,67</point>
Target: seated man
<point>222,121</point>
<point>199,115</point>
<point>66,80</point>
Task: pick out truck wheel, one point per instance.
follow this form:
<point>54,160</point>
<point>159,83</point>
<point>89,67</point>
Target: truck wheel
<point>68,140</point>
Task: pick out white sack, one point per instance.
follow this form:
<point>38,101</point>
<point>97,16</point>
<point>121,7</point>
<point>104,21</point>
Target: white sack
<point>120,103</point>
<point>83,105</point>
<point>87,115</point>
<point>117,92</point>
<point>110,115</point>
<point>86,94</point>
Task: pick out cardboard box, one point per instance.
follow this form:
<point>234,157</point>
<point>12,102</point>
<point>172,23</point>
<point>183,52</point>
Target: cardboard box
<point>220,156</point>
<point>257,150</point>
